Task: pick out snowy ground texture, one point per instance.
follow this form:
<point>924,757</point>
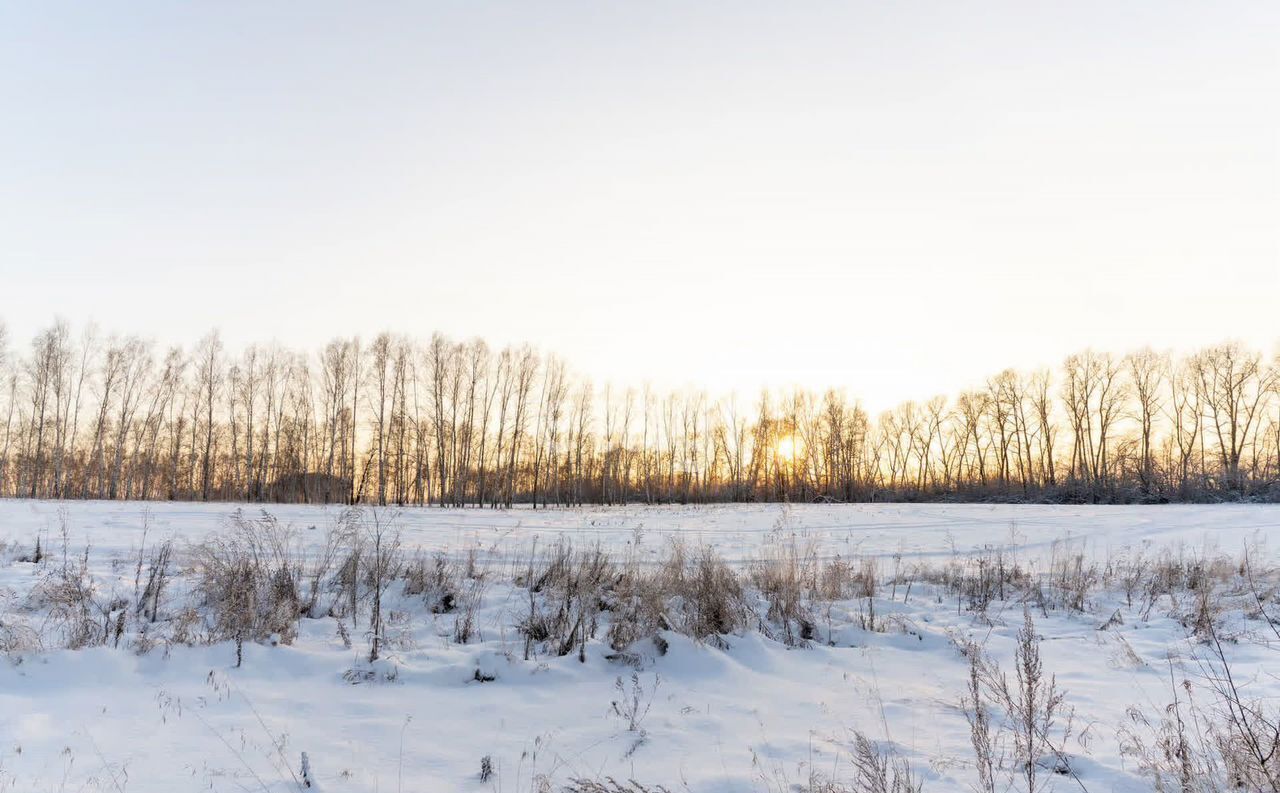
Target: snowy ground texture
<point>107,685</point>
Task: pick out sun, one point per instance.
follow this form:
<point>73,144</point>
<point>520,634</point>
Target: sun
<point>789,448</point>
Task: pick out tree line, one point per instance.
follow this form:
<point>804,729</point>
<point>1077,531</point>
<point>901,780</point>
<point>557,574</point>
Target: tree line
<point>454,423</point>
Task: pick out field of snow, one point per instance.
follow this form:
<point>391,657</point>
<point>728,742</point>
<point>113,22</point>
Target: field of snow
<point>153,707</point>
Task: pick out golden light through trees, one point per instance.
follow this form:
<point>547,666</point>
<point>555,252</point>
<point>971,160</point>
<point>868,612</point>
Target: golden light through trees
<point>789,448</point>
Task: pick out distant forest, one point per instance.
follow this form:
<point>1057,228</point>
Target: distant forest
<point>403,421</point>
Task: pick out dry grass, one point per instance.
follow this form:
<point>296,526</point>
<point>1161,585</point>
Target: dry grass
<point>610,785</point>
<point>250,579</point>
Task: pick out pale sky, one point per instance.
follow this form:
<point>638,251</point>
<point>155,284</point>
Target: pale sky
<point>895,198</point>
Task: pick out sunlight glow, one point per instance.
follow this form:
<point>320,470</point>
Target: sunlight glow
<point>789,448</point>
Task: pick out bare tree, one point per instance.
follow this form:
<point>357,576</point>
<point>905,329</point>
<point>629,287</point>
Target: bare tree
<point>1146,371</point>
<point>1234,385</point>
<point>211,378</point>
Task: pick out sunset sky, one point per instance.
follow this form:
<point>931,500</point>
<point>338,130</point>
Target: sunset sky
<point>897,199</point>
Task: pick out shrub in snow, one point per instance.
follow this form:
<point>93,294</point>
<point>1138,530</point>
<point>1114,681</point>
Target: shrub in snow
<point>249,578</point>
<point>256,581</point>
<point>634,701</point>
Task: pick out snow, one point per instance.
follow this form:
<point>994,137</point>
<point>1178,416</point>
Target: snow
<point>757,715</point>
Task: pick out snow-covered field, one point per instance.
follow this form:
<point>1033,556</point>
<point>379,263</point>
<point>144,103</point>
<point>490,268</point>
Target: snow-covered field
<point>149,703</point>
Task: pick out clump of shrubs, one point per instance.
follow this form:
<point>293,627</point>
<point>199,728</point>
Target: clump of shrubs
<point>254,581</point>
